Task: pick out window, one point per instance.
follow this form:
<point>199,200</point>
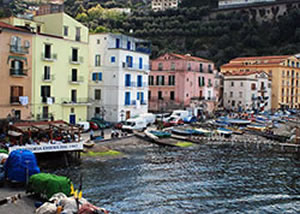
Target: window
<point>149,95</point>
<point>117,43</point>
<point>66,30</point>
<point>173,66</point>
<point>38,29</point>
<point>74,75</point>
<point>283,74</point>
<point>17,67</point>
<point>253,86</point>
<point>46,72</point>
<point>242,84</point>
<point>47,51</point>
<point>127,80</point>
<point>98,41</point>
<point>189,67</point>
<point>45,112</point>
<point>241,94</point>
<point>201,67</point>
<point>139,81</point>
<point>151,80</point>
<point>129,61</point>
<point>172,80</point>
<point>160,80</point>
<point>140,96</point>
<point>128,45</point>
<point>97,60</point>
<point>77,36</point>
<point>160,66</point>
<point>231,94</point>
<point>74,55</point>
<point>97,110</point>
<point>232,84</point>
<point>160,97</point>
<point>172,95</point>
<point>209,69</point>
<point>74,95</point>
<point>97,76</point>
<point>127,98</point>
<point>45,91</point>
<point>97,94</point>
<point>112,59</point>
<point>140,63</point>
<point>15,93</point>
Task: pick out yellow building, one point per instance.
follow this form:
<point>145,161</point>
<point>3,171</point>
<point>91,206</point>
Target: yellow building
<point>60,67</point>
<point>284,72</point>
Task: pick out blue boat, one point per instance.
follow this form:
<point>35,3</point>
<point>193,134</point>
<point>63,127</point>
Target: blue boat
<point>182,131</point>
<point>161,134</point>
<point>224,131</point>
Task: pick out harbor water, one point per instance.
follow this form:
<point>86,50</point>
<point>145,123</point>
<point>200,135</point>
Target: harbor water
<point>206,179</point>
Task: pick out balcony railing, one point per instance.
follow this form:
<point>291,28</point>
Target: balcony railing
<point>19,49</point>
<point>204,98</point>
<point>15,100</point>
<point>18,72</point>
<point>135,66</point>
<point>49,57</point>
<point>48,100</point>
<point>48,78</point>
<point>75,101</point>
<point>77,61</point>
<point>76,80</point>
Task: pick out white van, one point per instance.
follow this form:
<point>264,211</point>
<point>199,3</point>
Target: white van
<point>181,113</point>
<point>84,125</point>
<point>132,124</point>
<point>149,118</point>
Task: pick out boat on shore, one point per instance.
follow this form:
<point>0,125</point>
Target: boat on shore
<point>160,134</point>
<point>256,127</point>
<point>225,132</point>
<point>88,144</point>
<point>182,131</point>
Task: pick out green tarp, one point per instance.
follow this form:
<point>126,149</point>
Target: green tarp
<point>48,184</point>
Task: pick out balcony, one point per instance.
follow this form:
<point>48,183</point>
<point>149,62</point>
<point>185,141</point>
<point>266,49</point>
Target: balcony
<point>76,80</point>
<point>18,72</point>
<point>210,85</point>
<point>49,57</point>
<point>48,78</point>
<point>47,116</point>
<point>76,101</point>
<point>77,61</point>
<point>15,100</point>
<point>19,49</point>
<point>48,100</point>
<point>135,66</point>
<point>204,98</point>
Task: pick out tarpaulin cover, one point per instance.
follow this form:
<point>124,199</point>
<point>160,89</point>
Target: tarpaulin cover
<point>20,164</point>
<point>47,185</point>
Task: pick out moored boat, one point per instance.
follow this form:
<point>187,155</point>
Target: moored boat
<point>160,134</point>
<point>224,131</point>
<point>182,131</point>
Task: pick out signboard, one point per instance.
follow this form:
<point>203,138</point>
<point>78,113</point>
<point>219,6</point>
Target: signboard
<point>43,148</point>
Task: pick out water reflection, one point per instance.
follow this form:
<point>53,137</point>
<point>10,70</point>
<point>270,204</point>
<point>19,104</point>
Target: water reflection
<point>208,179</point>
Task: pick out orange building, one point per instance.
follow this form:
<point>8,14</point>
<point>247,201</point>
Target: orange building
<point>15,73</point>
<point>284,72</point>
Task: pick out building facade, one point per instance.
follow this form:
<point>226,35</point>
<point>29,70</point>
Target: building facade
<point>238,3</point>
<point>119,68</point>
<point>16,72</point>
<point>284,71</point>
<point>60,67</point>
<point>250,90</point>
<point>158,5</point>
<point>176,81</point>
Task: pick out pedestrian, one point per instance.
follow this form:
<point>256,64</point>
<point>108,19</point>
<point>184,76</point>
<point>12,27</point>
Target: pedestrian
<point>91,134</point>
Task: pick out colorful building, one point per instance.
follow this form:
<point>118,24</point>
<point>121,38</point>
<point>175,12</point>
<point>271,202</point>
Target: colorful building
<point>60,67</point>
<point>248,90</point>
<point>119,68</point>
<point>16,72</point>
<point>284,72</point>
<point>158,5</point>
<point>176,81</point>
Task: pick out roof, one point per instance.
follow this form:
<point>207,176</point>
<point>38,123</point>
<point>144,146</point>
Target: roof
<point>282,57</point>
<point>11,27</point>
<point>242,73</point>
<point>189,57</point>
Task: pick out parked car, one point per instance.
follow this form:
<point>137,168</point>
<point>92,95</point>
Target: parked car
<point>119,125</point>
<point>84,125</point>
<point>149,118</point>
<point>104,123</point>
<point>94,125</point>
<point>173,121</point>
<point>134,124</point>
<point>162,117</point>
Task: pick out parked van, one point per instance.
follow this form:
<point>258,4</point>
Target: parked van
<point>132,124</point>
<point>84,125</point>
<point>149,118</point>
<point>181,113</point>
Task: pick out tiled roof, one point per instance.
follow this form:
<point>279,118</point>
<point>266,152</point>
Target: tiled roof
<point>283,57</point>
<point>189,57</point>
<point>242,73</point>
<point>8,26</point>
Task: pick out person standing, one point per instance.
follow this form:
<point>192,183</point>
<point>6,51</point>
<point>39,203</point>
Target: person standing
<point>91,134</point>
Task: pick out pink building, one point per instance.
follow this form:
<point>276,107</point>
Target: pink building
<point>183,81</point>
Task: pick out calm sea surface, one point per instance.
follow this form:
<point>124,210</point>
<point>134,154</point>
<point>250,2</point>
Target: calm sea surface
<point>203,180</point>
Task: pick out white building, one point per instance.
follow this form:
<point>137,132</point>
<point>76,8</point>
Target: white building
<point>119,68</point>
<point>238,3</point>
<point>164,4</point>
<point>249,90</point>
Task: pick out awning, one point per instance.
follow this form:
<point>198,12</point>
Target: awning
<point>17,58</point>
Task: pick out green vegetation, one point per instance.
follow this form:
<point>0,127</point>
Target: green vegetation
<point>184,144</point>
<point>102,154</point>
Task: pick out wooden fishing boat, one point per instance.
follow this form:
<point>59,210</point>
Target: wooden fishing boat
<point>182,131</point>
<point>236,131</point>
<point>160,134</point>
<point>88,144</point>
<point>225,132</point>
<point>256,127</point>
<point>204,131</point>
